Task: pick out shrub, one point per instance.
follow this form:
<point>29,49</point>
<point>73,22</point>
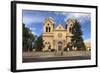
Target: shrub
<point>52,50</point>
<point>65,48</point>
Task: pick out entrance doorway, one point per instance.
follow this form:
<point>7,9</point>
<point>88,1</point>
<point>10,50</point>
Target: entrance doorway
<point>59,46</point>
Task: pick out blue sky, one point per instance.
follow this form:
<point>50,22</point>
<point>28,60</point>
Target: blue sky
<point>34,20</point>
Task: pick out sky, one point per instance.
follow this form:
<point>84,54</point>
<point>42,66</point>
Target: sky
<point>34,20</point>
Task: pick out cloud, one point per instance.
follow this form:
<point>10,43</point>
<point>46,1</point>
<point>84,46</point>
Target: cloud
<point>28,20</point>
<point>79,16</point>
<point>32,29</point>
<point>84,29</point>
<point>34,33</point>
<point>61,13</point>
<point>87,40</point>
<point>32,17</point>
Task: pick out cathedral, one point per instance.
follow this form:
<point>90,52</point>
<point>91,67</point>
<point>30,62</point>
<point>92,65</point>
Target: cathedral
<point>56,38</point>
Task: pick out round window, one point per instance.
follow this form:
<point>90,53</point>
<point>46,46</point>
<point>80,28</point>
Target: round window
<point>59,35</point>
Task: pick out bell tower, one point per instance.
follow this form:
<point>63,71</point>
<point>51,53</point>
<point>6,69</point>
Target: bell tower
<point>70,23</point>
<point>48,25</point>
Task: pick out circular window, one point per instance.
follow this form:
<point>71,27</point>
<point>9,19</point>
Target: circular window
<point>59,35</point>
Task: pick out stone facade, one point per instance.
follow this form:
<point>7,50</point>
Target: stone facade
<point>56,38</point>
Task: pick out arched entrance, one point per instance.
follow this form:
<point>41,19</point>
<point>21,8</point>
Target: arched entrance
<point>60,46</point>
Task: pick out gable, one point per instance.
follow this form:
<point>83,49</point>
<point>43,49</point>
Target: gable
<point>59,27</point>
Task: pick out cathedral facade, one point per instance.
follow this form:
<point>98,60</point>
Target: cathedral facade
<point>56,37</point>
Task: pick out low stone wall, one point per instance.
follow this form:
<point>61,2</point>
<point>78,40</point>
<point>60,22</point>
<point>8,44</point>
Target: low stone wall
<point>56,54</point>
<point>78,53</point>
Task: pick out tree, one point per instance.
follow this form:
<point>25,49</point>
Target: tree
<point>77,39</point>
<point>28,38</point>
<point>39,43</point>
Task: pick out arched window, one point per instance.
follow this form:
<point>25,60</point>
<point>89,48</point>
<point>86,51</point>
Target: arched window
<point>49,29</point>
<point>48,42</point>
<point>46,29</point>
<point>71,25</point>
<point>49,47</point>
<point>45,43</point>
<point>70,29</point>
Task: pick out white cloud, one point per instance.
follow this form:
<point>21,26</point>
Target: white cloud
<point>61,13</point>
<point>33,28</point>
<point>84,29</point>
<point>28,20</point>
<point>87,40</point>
<point>79,16</point>
<point>34,33</point>
<point>75,15</point>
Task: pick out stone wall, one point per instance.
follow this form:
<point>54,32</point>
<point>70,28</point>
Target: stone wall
<point>56,54</point>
